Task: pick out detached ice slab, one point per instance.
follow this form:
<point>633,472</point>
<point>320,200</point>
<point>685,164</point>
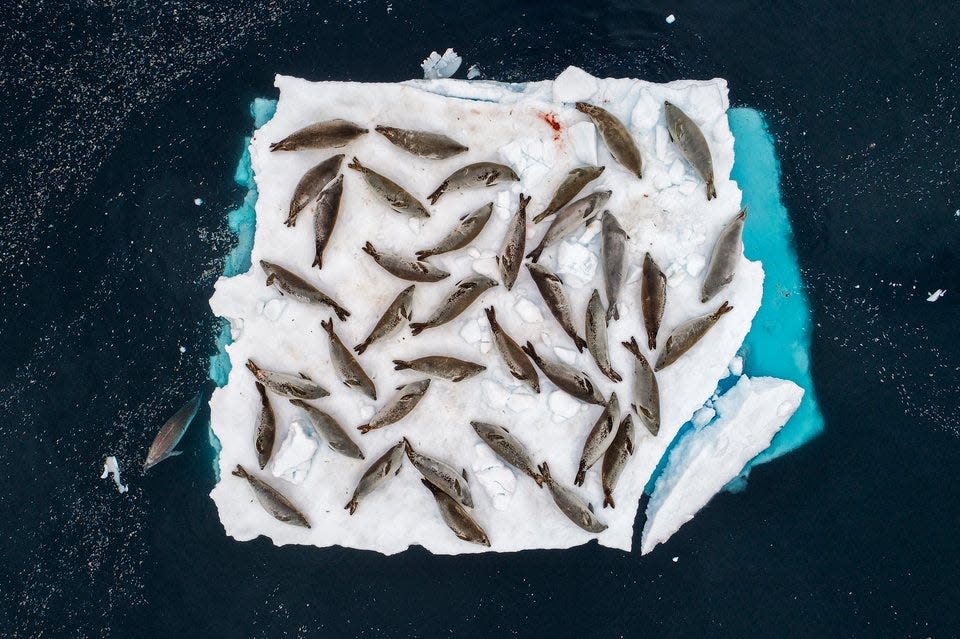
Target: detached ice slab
<point>704,461</point>
<point>665,213</point>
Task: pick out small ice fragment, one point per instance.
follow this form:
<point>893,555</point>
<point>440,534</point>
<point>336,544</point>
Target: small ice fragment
<point>582,139</point>
<point>485,346</point>
<point>273,309</point>
<point>367,411</point>
<point>236,328</point>
<point>937,294</point>
<point>577,264</point>
<point>441,66</point>
<point>183,349</point>
<point>531,158</point>
<point>545,338</point>
<point>503,205</point>
<point>520,402</point>
<point>472,332</point>
<point>473,252</point>
<point>528,311</point>
<point>473,72</point>
<point>198,201</point>
<point>111,467</point>
<point>292,460</point>
<point>589,233</point>
<point>562,406</point>
<point>675,273</point>
<point>675,559</point>
<point>661,181</point>
<point>736,366</point>
<point>565,355</point>
<point>702,416</point>
<point>574,85</point>
<point>670,20</point>
<point>695,264</point>
<point>487,266</point>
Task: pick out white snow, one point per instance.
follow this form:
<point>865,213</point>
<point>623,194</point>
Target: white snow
<point>937,294</point>
<point>292,457</point>
<point>705,460</point>
<point>677,228</point>
<point>441,66</point>
<point>111,468</point>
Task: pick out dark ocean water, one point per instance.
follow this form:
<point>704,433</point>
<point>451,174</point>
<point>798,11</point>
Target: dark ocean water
<point>120,114</point>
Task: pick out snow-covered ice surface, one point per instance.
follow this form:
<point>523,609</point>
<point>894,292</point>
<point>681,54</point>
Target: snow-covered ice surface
<point>665,213</point>
<point>704,461</point>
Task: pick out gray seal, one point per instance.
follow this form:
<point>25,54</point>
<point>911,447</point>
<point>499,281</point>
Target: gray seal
<point>433,146</point>
<point>397,407</point>
<point>265,430</point>
<point>572,505</point>
<point>514,244</point>
<point>689,139</point>
<point>321,135</point>
<point>653,298</point>
<point>685,336</point>
<point>468,228</point>
<point>568,379</point>
<point>313,182</point>
<point>508,448</point>
<point>346,365</point>
<point>596,332</point>
<point>394,195</point>
<point>551,290</point>
<point>386,466</point>
<point>299,289</point>
<point>449,368</point>
<point>475,175</point>
<point>279,507</point>
<point>463,295</point>
<point>573,183</point>
<point>615,136</point>
<point>599,438</point>
<point>512,354</point>
<point>400,309</point>
<point>171,433</point>
<point>616,457</point>
<point>725,257</point>
<point>405,269</point>
<point>330,429</point>
<point>646,391</point>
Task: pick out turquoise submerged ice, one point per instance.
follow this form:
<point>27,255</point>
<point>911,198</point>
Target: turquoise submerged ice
<point>758,397</point>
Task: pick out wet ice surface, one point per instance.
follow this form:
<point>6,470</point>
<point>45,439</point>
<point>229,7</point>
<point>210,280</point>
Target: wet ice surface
<point>665,213</point>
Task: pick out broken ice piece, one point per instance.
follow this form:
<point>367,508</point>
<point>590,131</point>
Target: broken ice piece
<point>528,311</point>
<point>677,171</point>
<point>736,366</point>
<point>589,233</point>
<point>702,416</point>
<point>473,72</point>
<point>576,264</point>
<point>438,66</point>
<point>675,273</point>
<point>574,85</point>
<point>497,480</point>
<point>562,405</point>
<point>487,266</point>
<point>111,467</point>
<point>198,201</point>
<point>937,294</point>
<point>670,20</point>
<point>273,309</point>
<point>531,158</point>
<point>520,402</point>
<point>472,331</point>
<point>292,460</point>
<point>695,264</point>
<point>236,328</point>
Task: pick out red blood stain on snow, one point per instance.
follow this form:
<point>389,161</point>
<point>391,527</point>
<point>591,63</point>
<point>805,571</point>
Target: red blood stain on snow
<point>551,119</point>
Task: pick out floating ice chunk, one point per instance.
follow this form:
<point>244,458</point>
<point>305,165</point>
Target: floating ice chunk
<point>112,468</point>
<point>528,311</point>
<point>937,294</point>
<point>736,366</point>
<point>702,416</point>
<point>292,460</point>
<point>562,406</point>
<point>441,66</point>
<point>182,349</point>
<point>574,85</point>
<point>670,20</point>
<point>576,264</point>
<point>198,201</point>
<point>695,263</point>
<point>705,460</point>
<point>273,309</point>
<point>582,140</point>
<point>473,72</point>
<point>565,355</point>
<point>497,481</point>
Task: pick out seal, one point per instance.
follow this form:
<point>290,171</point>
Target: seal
<point>171,433</point>
<point>689,139</point>
<point>400,309</point>
<point>386,466</point>
<point>615,136</point>
<point>463,295</point>
<point>321,135</point>
<point>514,243</point>
<point>653,298</point>
<point>725,257</point>
<point>433,146</point>
<point>685,336</point>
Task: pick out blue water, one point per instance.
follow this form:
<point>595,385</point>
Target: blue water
<point>121,116</point>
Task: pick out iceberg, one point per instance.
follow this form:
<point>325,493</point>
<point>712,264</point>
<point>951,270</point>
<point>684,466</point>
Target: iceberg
<point>111,468</point>
<point>534,127</point>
